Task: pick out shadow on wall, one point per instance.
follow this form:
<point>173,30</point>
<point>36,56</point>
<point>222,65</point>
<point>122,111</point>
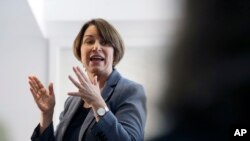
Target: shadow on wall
<point>209,79</point>
<point>3,131</point>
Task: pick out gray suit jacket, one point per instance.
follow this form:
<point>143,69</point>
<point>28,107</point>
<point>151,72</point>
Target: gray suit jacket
<point>124,122</point>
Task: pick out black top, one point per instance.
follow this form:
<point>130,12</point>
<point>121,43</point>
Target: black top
<point>72,131</point>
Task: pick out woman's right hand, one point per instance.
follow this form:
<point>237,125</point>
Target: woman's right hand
<point>45,100</point>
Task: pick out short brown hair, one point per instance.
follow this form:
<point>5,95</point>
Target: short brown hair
<point>107,32</point>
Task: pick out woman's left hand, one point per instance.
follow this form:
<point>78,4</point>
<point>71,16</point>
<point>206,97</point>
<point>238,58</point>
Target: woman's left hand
<point>89,91</point>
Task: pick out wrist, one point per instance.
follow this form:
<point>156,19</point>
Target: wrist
<point>100,112</point>
<point>45,121</point>
<point>98,103</point>
<point>47,115</point>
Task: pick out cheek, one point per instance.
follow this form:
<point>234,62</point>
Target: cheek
<point>83,56</point>
<point>111,55</point>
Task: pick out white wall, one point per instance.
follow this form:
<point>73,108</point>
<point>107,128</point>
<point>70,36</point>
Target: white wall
<point>23,51</point>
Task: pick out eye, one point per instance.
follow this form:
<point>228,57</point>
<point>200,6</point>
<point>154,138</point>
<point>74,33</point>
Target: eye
<point>104,43</point>
<point>89,41</point>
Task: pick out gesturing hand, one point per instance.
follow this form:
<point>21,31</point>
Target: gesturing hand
<point>44,98</point>
<point>87,90</point>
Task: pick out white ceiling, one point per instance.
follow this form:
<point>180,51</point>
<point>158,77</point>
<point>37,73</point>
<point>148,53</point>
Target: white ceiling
<point>65,17</point>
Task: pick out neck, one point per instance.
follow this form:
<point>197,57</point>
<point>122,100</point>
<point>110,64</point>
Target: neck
<point>101,77</point>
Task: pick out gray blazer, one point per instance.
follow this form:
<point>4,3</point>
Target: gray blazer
<point>124,122</point>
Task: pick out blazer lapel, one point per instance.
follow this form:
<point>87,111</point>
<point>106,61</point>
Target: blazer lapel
<point>106,94</point>
<point>67,118</point>
<point>110,85</point>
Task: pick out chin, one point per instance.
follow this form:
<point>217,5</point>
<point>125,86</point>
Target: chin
<point>95,70</point>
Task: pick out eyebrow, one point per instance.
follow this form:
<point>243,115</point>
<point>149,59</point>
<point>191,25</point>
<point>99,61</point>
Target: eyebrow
<point>88,36</point>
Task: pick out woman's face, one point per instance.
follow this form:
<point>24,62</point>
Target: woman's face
<point>96,55</point>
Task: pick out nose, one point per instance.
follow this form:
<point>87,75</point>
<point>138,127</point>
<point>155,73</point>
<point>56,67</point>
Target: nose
<point>97,46</point>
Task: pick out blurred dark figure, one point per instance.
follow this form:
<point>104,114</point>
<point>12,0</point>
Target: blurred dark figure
<point>209,80</point>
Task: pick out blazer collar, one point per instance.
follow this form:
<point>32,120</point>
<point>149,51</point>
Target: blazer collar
<point>110,84</point>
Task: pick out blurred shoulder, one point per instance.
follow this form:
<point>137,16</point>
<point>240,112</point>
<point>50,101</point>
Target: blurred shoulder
<point>129,84</point>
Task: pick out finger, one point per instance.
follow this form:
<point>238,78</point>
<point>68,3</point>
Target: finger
<point>82,74</point>
<point>75,82</point>
<point>35,96</point>
<point>51,89</point>
<point>30,77</point>
<point>32,86</point>
<point>38,82</point>
<point>35,84</point>
<point>32,82</point>
<point>78,75</point>
<point>74,94</point>
<point>95,82</point>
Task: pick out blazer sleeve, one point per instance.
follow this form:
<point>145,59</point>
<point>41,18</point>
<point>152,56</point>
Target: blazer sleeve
<point>48,134</point>
<point>127,122</point>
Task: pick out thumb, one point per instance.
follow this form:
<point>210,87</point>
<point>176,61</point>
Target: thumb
<point>51,89</point>
<point>95,82</point>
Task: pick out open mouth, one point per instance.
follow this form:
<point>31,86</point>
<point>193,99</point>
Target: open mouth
<point>96,58</point>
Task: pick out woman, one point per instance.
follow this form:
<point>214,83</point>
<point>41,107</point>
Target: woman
<point>106,106</point>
